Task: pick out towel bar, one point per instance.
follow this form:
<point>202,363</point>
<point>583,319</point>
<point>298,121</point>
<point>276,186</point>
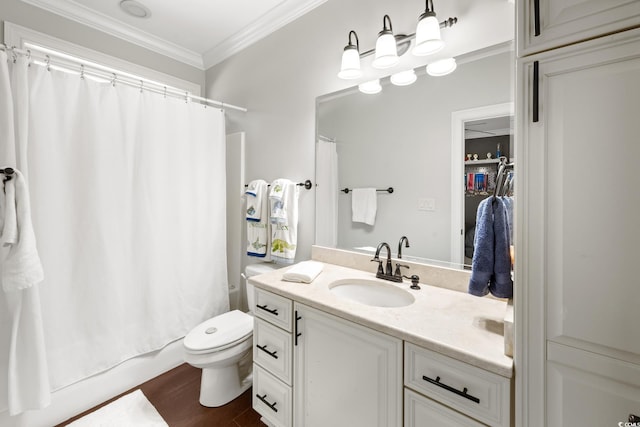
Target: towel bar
<point>307,184</point>
<point>388,190</point>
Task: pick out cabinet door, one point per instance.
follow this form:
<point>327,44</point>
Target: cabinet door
<point>547,24</point>
<point>585,389</point>
<point>578,202</point>
<point>345,374</point>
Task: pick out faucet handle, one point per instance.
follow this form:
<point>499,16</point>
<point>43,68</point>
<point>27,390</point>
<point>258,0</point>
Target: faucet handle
<point>398,272</point>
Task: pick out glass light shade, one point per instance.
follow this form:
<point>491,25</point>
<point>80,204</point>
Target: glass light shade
<point>428,39</point>
<point>404,78</point>
<point>370,87</point>
<point>386,51</point>
<point>442,67</point>
<point>350,68</point>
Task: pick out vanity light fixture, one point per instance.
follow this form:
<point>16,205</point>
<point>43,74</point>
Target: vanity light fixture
<point>428,38</point>
<point>386,47</point>
<point>442,67</point>
<point>404,78</point>
<point>370,87</point>
<point>350,68</point>
<point>389,46</point>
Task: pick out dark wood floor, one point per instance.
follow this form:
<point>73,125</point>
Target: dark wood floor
<point>175,395</point>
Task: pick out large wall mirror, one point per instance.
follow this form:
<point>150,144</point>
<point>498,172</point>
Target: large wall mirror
<point>404,137</point>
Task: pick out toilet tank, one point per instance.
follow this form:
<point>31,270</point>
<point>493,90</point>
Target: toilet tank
<point>254,270</point>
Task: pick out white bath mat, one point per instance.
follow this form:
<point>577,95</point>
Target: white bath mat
<point>132,409</point>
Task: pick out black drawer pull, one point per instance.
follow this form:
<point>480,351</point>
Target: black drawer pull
<point>268,310</point>
<point>462,393</point>
<point>270,405</point>
<point>270,353</point>
<point>295,332</point>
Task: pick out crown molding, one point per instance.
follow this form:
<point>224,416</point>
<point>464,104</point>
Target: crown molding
<point>83,15</point>
<point>262,27</point>
<point>268,23</point>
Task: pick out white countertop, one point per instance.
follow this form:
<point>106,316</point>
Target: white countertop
<point>458,325</point>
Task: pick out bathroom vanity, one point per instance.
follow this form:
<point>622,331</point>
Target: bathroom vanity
<point>323,357</point>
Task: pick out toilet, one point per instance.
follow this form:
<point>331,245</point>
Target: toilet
<point>222,348</point>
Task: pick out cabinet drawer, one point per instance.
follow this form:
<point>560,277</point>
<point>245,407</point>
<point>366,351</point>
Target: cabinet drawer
<point>272,349</point>
<point>273,308</point>
<point>271,398</point>
<point>420,411</point>
<point>473,391</point>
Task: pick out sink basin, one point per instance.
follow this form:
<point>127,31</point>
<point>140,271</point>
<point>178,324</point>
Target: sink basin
<point>371,292</point>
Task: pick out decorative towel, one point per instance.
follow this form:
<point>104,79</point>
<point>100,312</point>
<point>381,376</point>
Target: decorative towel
<point>283,199</point>
<point>256,191</point>
<point>277,209</point>
<point>258,224</point>
<point>21,267</point>
<point>364,205</point>
<point>303,272</point>
<point>491,265</point>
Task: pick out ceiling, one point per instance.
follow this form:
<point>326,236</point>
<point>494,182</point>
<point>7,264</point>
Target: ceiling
<point>200,33</point>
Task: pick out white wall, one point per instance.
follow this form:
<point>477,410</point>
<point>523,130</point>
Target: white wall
<point>279,78</point>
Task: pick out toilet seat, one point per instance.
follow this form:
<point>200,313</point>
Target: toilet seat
<point>219,333</point>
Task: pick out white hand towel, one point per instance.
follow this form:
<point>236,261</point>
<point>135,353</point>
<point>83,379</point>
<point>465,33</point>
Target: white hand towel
<point>255,192</point>
<point>284,227</point>
<point>364,205</point>
<point>303,272</point>
<point>258,230</point>
<point>21,267</point>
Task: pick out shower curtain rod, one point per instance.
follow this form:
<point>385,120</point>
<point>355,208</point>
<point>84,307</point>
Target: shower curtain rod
<point>142,83</point>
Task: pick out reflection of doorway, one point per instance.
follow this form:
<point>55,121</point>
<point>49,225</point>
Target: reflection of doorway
<point>474,126</point>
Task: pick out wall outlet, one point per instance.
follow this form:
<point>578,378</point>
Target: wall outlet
<point>427,204</point>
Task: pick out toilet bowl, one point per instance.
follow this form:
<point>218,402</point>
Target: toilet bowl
<point>222,348</point>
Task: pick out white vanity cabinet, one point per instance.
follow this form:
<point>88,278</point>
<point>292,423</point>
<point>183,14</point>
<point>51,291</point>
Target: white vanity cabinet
<point>548,24</point>
<point>315,369</point>
<point>345,374</point>
<point>577,251</point>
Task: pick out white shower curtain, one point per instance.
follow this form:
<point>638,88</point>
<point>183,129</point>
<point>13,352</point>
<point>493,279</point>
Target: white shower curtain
<point>128,206</point>
<point>326,194</point>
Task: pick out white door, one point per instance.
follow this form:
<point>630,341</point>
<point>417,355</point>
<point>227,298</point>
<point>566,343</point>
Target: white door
<point>345,375</point>
<point>579,205</point>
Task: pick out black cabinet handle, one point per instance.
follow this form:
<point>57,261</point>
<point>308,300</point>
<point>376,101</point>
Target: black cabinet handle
<point>536,18</point>
<point>462,393</point>
<point>295,329</point>
<point>536,90</point>
<point>270,405</point>
<point>268,310</point>
<point>270,353</point>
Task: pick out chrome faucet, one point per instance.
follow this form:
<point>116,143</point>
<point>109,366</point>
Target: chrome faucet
<point>406,245</point>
